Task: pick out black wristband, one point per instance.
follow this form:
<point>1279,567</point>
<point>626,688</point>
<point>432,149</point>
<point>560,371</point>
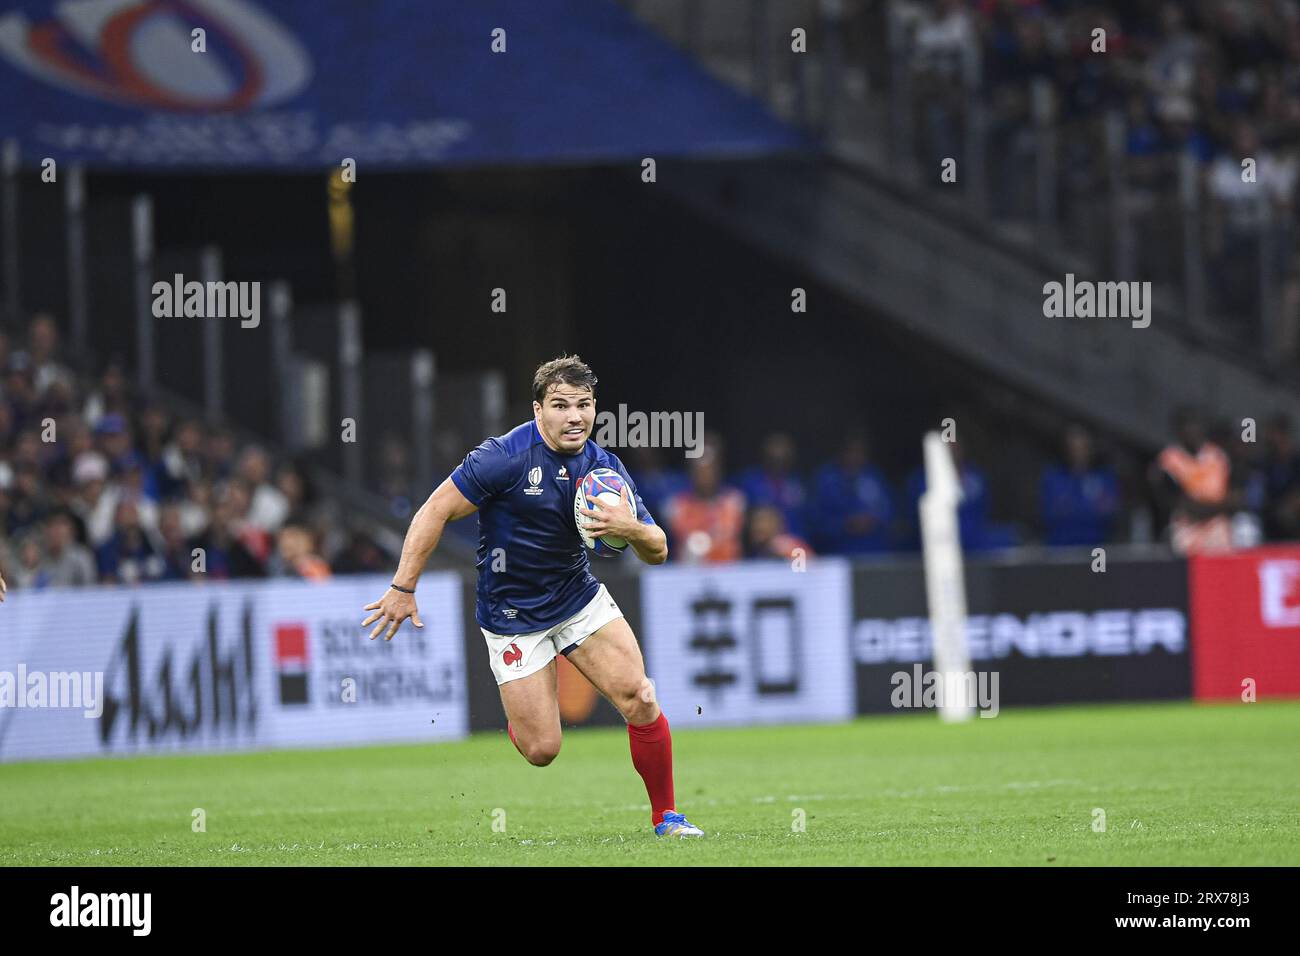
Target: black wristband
<point>402,589</point>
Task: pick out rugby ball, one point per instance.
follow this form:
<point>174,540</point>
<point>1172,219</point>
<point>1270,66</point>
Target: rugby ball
<point>600,484</point>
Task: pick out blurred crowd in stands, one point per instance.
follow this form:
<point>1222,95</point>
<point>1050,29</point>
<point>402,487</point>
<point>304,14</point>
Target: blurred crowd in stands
<point>1216,80</point>
<point>1209,489</point>
<point>99,484</point>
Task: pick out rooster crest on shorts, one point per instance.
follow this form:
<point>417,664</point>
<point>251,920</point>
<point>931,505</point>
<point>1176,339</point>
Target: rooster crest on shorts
<point>513,655</point>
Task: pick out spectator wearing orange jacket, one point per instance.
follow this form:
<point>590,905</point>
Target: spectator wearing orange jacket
<point>1191,482</point>
<point>707,520</point>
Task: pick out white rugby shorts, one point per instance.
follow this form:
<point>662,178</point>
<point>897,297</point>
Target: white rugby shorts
<point>518,655</point>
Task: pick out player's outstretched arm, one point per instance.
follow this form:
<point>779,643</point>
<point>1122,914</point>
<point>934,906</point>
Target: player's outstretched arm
<point>445,504</point>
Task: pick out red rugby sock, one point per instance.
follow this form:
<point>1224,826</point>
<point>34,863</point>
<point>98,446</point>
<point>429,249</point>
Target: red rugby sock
<point>652,755</point>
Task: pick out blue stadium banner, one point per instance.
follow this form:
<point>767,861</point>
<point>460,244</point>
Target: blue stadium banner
<point>295,84</point>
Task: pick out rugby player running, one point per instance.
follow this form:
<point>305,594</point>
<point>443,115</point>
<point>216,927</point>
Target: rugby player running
<point>536,593</point>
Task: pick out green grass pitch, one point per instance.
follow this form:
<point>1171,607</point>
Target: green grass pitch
<point>1180,784</point>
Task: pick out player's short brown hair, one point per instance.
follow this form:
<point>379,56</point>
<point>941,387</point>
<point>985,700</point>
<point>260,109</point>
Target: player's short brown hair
<point>565,370</point>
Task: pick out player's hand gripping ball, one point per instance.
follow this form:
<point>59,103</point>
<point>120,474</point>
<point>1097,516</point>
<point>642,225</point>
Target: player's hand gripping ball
<point>600,484</point>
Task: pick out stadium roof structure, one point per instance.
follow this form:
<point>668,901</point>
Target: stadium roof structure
<point>301,84</point>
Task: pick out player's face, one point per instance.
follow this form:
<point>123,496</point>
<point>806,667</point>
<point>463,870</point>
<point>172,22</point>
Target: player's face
<point>565,417</point>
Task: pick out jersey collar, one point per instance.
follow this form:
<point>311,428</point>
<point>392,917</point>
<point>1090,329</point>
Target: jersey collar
<point>539,440</point>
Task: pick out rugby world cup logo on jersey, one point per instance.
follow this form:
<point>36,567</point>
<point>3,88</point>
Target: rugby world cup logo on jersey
<point>139,53</point>
<point>534,479</point>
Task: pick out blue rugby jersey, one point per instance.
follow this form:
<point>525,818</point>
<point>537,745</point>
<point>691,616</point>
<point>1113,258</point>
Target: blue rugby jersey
<point>524,492</point>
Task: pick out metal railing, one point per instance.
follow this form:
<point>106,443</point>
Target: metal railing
<point>1069,185</point>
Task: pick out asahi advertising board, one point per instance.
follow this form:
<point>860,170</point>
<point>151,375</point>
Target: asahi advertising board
<point>174,668</point>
